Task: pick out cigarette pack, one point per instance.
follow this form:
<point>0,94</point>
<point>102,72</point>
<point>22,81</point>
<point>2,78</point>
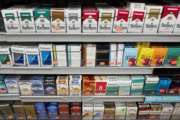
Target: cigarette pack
<point>167,110</point>
<point>30,111</point>
<point>37,85</point>
<point>90,19</point>
<point>19,112</point>
<point>73,15</point>
<point>64,111</point>
<point>168,19</point>
<point>120,111</point>
<point>50,85</point>
<point>87,111</point>
<point>143,111</point>
<point>89,55</point>
<point>152,18</point>
<point>125,85</point>
<point>74,55</point>
<point>46,54</point>
<point>121,20</point>
<point>6,112</point>
<point>105,22</point>
<point>52,110</point>
<point>2,26</point>
<point>25,86</point>
<point>113,55</point>
<point>76,111</point>
<point>58,20</point>
<point>12,84</point>
<point>62,85</point>
<point>32,56</point>
<point>18,55</point>
<point>11,21</point>
<point>88,85</point>
<point>60,57</point>
<point>75,85</point>
<point>177,24</point>
<point>26,19</point>
<point>98,111</point>
<point>131,113</point>
<point>137,85</point>
<point>130,56</point>
<point>163,85</point>
<point>41,111</point>
<point>175,114</point>
<point>155,111</point>
<point>120,51</point>
<point>5,56</point>
<point>3,89</point>
<point>100,85</point>
<point>42,19</point>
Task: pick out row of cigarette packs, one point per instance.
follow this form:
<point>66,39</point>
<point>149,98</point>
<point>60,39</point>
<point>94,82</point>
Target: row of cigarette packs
<point>137,17</point>
<point>88,85</point>
<point>90,55</point>
<point>90,111</point>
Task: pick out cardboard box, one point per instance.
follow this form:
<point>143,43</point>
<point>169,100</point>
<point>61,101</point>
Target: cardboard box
<point>121,20</point>
<point>120,51</point>
<point>131,113</point>
<point>87,111</point>
<point>130,56</point>
<point>89,55</point>
<point>73,15</point>
<point>113,54</point>
<point>30,111</point>
<point>120,111</point>
<point>98,111</point>
<point>62,85</point>
<point>12,84</point>
<point>60,56</point>
<point>42,19</point>
<point>25,86</point>
<point>88,85</point>
<point>177,24</point>
<point>74,55</point>
<point>152,18</point>
<point>100,85</point>
<point>105,23</point>
<point>167,110</point>
<point>26,19</point>
<point>46,54</point>
<point>18,55</point>
<point>168,19</point>
<point>125,85</point>
<point>32,56</point>
<point>58,20</point>
<point>109,111</point>
<point>137,85</point>
<point>113,85</point>
<point>3,89</point>
<point>11,21</point>
<point>75,85</point>
<point>50,85</point>
<point>136,20</point>
<point>37,85</point>
<point>5,56</point>
<point>90,19</point>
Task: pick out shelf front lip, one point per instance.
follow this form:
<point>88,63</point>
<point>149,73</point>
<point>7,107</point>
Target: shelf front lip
<point>90,37</point>
<point>77,70</point>
<point>162,99</point>
<point>50,98</point>
<point>9,97</point>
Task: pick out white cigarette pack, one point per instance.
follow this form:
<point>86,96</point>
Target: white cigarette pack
<point>75,85</point>
<point>120,113</point>
<point>98,111</point>
<point>87,111</point>
<point>61,57</point>
<point>177,24</point>
<point>113,54</point>
<point>120,51</point>
<point>90,55</point>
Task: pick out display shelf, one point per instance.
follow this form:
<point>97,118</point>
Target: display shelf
<point>95,99</point>
<point>160,99</point>
<point>78,70</point>
<point>90,37</point>
<point>9,97</point>
<point>50,98</point>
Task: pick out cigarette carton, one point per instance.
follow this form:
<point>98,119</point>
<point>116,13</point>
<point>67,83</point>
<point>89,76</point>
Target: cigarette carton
<point>168,19</point>
<point>136,20</point>
<point>58,20</point>
<point>87,111</point>
<point>60,57</point>
<point>177,24</point>
<point>5,56</point>
<point>89,55</point>
<point>105,23</point>
<point>120,51</point>
<point>73,16</point>
<point>152,18</point>
<point>113,55</point>
<point>50,85</point>
<point>90,19</point>
<point>137,85</point>
<point>18,55</point>
<point>42,19</point>
<point>125,85</point>
<point>74,55</point>
<point>100,85</point>
<point>26,20</point>
<point>75,85</point>
<point>32,56</point>
<point>37,85</point>
<point>98,111</point>
<point>11,21</point>
<point>12,84</point>
<point>121,20</point>
<point>62,85</point>
<point>131,113</point>
<point>120,111</point>
<point>46,54</point>
<point>25,86</point>
<point>88,85</point>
